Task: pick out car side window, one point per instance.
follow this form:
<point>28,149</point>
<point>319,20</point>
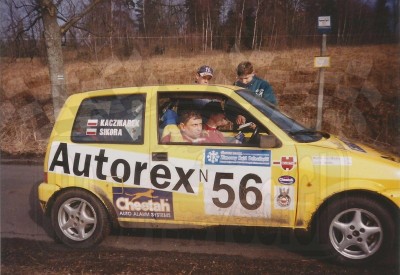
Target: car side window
<point>110,119</point>
<point>205,118</point>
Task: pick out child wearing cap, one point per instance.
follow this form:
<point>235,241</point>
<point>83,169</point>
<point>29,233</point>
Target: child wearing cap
<point>204,74</point>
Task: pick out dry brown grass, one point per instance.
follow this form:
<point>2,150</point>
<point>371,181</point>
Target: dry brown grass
<point>361,91</point>
<point>137,71</point>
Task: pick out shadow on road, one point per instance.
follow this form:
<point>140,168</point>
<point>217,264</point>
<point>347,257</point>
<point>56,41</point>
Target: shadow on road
<point>36,213</point>
<point>295,242</point>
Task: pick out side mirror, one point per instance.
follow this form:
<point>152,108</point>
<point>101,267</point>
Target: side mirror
<point>269,141</point>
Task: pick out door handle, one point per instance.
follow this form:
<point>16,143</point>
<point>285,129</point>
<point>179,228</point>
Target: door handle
<point>159,156</point>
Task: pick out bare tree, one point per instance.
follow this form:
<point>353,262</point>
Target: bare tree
<point>47,12</point>
<point>52,34</point>
<point>209,24</point>
<point>253,45</point>
<point>241,24</point>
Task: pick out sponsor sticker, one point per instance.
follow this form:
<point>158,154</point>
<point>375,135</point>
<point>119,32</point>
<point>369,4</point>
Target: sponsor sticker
<point>332,160</point>
<point>283,197</point>
<point>125,167</point>
<point>286,163</point>
<point>143,203</point>
<point>286,180</point>
<point>238,157</point>
<point>228,189</point>
<point>233,190</point>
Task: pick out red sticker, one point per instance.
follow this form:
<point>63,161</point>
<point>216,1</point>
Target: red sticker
<point>91,132</point>
<point>92,122</point>
<point>287,163</point>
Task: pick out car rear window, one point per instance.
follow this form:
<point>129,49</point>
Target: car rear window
<point>110,119</point>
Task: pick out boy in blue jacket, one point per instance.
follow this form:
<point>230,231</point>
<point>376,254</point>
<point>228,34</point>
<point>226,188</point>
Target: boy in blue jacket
<point>248,79</point>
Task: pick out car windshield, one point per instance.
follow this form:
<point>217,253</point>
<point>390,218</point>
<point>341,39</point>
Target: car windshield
<point>294,129</point>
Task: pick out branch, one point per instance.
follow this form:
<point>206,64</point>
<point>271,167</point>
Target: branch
<point>23,5</point>
<point>86,30</point>
<point>28,27</point>
<point>29,9</point>
<point>64,28</point>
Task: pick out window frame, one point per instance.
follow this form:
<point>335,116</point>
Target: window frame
<point>206,95</point>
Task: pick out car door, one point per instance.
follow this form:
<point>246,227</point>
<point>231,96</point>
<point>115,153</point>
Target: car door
<point>229,183</point>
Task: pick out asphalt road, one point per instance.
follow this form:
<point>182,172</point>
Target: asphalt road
<point>21,219</point>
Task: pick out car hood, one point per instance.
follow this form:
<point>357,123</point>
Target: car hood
<point>340,143</point>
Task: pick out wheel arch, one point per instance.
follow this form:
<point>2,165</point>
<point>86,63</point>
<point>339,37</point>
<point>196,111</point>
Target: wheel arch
<point>100,196</point>
<point>382,200</point>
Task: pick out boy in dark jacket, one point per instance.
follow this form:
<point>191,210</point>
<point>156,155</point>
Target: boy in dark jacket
<point>248,79</point>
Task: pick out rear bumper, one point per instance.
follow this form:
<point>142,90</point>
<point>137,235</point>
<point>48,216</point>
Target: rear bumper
<point>45,192</point>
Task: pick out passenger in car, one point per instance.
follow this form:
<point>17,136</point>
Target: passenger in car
<point>169,114</point>
<point>191,126</point>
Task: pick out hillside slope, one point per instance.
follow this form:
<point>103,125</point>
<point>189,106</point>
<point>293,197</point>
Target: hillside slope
<point>361,95</point>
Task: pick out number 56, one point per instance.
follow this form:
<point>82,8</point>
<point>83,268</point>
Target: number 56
<point>243,191</point>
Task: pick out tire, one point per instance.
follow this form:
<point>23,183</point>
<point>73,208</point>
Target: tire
<point>79,219</point>
<point>356,230</point>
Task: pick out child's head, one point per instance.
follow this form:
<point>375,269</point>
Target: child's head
<point>245,68</point>
<point>204,74</point>
<point>245,72</point>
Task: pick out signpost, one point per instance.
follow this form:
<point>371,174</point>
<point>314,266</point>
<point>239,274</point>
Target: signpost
<point>321,62</point>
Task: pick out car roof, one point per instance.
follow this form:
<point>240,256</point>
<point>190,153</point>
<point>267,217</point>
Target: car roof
<point>75,100</point>
<point>164,88</point>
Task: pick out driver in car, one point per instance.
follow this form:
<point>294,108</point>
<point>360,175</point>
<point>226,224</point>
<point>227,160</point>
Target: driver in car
<point>215,118</point>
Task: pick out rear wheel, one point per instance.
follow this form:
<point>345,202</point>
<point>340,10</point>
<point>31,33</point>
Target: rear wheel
<point>356,230</point>
<point>79,219</point>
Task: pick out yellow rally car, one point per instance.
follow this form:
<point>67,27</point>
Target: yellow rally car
<point>117,157</point>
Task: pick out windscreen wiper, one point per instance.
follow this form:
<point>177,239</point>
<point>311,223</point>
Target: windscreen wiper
<point>309,132</point>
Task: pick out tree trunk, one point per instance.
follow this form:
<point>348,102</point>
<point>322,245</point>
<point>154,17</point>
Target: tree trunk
<point>206,34</point>
<point>210,27</point>
<point>273,26</point>
<point>253,45</point>
<point>203,34</point>
<point>144,21</point>
<point>240,26</point>
<point>111,34</point>
<point>52,35</point>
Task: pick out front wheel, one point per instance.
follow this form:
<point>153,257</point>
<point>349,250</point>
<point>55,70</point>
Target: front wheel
<point>356,230</point>
<point>79,219</point>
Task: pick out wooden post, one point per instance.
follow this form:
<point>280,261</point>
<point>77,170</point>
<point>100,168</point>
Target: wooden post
<point>321,86</point>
